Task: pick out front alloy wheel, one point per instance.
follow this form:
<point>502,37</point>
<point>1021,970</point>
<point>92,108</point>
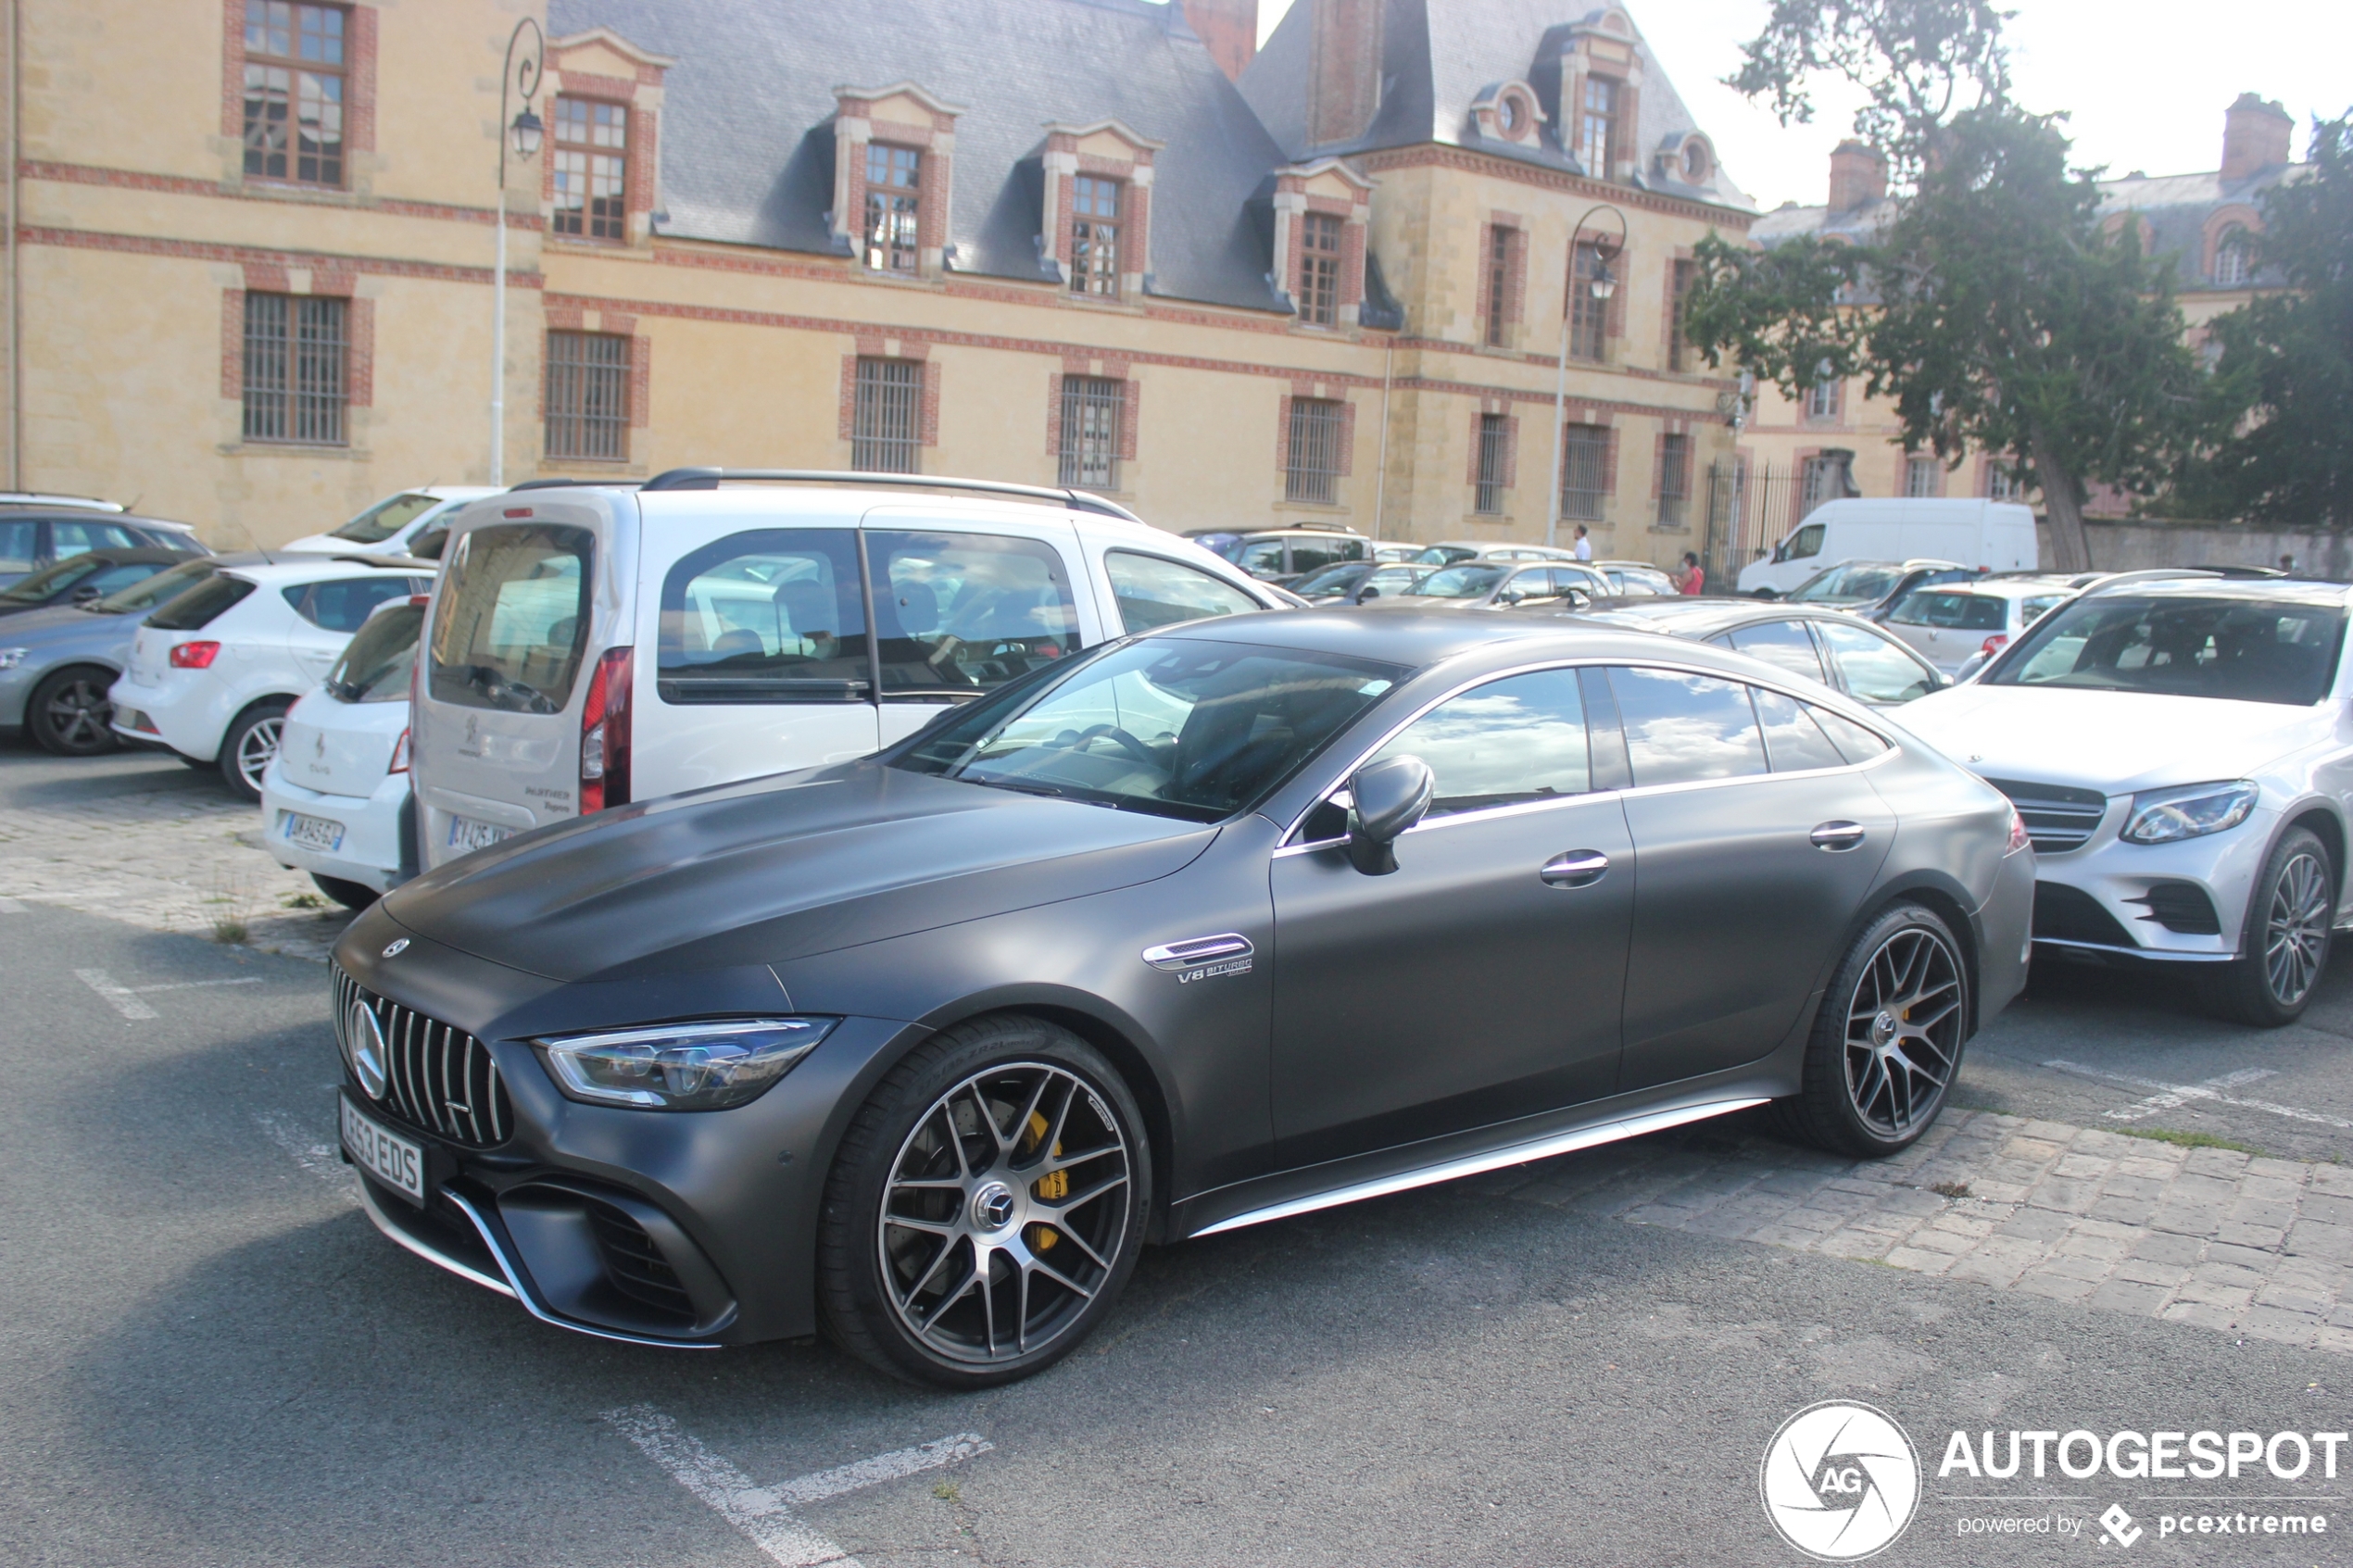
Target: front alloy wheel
<point>1887,1043</point>
<point>2286,945</point>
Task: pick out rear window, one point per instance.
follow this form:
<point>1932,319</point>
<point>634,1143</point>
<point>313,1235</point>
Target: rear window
<point>375,663</point>
<point>513,619</point>
<point>1948,611</point>
<point>197,608</point>
<point>386,518</point>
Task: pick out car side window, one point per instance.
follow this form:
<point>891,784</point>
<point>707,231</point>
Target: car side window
<point>18,541</point>
<point>1153,591</point>
<point>76,538</point>
<point>344,604</point>
<point>1518,739</point>
<point>1263,558</point>
<point>1682,728</point>
<point>1532,583</point>
<point>1853,742</point>
<point>1794,742</point>
<point>1313,555</point>
<point>1785,644</point>
<point>1873,666</point>
<point>2033,609</point>
<point>1804,544</point>
<point>771,615</point>
<point>965,612</point>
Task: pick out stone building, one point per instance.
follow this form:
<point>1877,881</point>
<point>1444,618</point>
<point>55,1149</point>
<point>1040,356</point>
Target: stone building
<point>1100,242</point>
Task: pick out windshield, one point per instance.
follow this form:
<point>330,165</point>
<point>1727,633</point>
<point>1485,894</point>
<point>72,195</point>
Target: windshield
<point>1331,580</point>
<point>161,588</point>
<point>386,518</point>
<point>1193,730</point>
<point>1443,555</point>
<point>513,618</point>
<point>1458,583</point>
<point>375,663</point>
<point>1849,584</point>
<point>2245,650</point>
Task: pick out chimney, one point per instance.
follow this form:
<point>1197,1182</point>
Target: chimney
<point>1858,175</point>
<point>2255,135</point>
<point>1344,74</point>
<point>1229,28</point>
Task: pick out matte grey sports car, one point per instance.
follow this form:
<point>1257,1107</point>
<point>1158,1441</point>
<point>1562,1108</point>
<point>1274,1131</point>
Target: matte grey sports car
<point>1166,938</point>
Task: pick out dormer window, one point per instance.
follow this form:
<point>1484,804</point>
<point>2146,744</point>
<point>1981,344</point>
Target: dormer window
<point>894,208</point>
<point>2230,257</point>
<point>1094,236</point>
<point>1597,125</point>
<point>1697,164</point>
<point>1319,269</point>
<point>591,169</point>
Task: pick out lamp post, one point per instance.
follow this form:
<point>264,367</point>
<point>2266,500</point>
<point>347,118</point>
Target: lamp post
<point>1602,283</point>
<point>522,134</point>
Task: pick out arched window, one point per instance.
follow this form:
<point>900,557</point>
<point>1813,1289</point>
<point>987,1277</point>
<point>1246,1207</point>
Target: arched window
<point>2230,256</point>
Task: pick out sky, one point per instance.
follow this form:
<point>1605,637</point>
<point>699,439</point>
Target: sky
<point>2145,83</point>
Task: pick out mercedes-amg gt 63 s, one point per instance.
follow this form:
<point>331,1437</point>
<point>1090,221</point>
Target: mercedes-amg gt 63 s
<point>1167,937</point>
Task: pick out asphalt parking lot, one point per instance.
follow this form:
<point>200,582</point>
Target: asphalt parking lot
<point>212,1357</point>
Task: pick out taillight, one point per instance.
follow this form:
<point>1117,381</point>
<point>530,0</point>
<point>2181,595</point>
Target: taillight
<point>604,734</point>
<point>194,655</point>
<point>399,755</point>
<point>1994,643</point>
<point>2018,839</point>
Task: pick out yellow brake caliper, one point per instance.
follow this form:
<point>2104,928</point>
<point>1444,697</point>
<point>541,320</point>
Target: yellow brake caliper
<point>1049,1187</point>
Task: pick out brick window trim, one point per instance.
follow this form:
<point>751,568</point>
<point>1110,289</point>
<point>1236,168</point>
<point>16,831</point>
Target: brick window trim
<point>360,332</point>
<point>926,402</point>
<point>359,84</point>
<point>1658,459</point>
<point>642,133</point>
<point>1511,446</point>
<point>1347,429</point>
<point>1514,273</point>
<point>1608,424</point>
<point>1679,255</point>
<point>1130,394</point>
<point>2220,221</point>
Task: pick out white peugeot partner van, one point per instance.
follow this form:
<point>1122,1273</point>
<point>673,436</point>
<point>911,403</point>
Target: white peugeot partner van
<point>1990,535</point>
<point>593,645</point>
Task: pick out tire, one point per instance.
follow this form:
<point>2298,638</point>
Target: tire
<point>250,746</point>
<point>67,712</point>
<point>2286,939</point>
<point>903,1299</point>
<point>350,895</point>
<point>1876,1077</point>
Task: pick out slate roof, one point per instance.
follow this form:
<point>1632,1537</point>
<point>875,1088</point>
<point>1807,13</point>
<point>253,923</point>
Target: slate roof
<point>746,137</point>
<point>1439,57</point>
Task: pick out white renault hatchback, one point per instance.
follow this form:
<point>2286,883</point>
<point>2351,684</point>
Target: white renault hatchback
<point>2182,752</point>
<point>213,674</point>
<point>596,645</point>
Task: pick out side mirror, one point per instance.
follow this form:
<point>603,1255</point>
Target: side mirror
<point>1367,591</point>
<point>86,594</point>
<point>1390,797</point>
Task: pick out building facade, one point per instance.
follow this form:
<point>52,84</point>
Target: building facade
<point>1097,243</point>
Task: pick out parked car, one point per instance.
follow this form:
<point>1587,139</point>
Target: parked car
<point>1284,554</point>
<point>1990,535</point>
<point>412,523</point>
<point>1950,623</point>
<point>33,536</point>
<point>84,578</point>
<point>57,663</point>
<point>1447,552</point>
<point>335,800</point>
<point>1023,1032</point>
<point>1866,587</point>
<point>1846,655</point>
<point>1636,577</point>
<point>1355,581</point>
<point>2178,750</point>
<point>1396,551</point>
<point>1485,584</point>
<point>591,645</point>
<point>213,674</point>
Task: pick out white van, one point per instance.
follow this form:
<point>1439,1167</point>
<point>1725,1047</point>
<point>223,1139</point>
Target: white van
<point>596,645</point>
<point>1992,535</point>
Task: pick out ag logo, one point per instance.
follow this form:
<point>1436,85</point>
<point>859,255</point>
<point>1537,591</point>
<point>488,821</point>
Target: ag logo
<point>1839,1481</point>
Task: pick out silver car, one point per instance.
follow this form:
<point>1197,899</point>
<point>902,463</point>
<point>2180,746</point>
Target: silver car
<point>56,664</point>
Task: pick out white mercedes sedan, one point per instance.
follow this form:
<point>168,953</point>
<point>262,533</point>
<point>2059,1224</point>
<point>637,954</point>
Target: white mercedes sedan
<point>2182,752</point>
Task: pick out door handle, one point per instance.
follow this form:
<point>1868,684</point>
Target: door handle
<point>1835,836</point>
<point>1578,868</point>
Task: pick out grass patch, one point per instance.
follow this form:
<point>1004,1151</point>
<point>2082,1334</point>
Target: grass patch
<point>303,902</point>
<point>948,1492</point>
<point>1949,1189</point>
<point>2189,1140</point>
<point>229,930</point>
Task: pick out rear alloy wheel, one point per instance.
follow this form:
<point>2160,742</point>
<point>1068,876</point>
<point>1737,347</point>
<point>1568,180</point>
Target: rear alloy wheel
<point>251,745</point>
<point>986,1207</point>
<point>2285,944</point>
<point>69,712</point>
<point>1887,1043</point>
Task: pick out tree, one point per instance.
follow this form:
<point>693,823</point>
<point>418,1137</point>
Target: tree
<point>1993,308</point>
<point>2282,393</point>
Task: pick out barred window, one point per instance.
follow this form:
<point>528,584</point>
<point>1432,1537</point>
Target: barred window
<point>295,63</point>
<point>1319,268</point>
<point>885,428</point>
<point>1091,410</point>
<point>1674,480</point>
<point>1494,452</point>
<point>894,208</point>
<point>1588,316</point>
<point>1094,236</point>
<point>1314,470</point>
<point>1920,477</point>
<point>1584,471</point>
<point>587,396</point>
<point>1499,283</point>
<point>295,387</point>
<point>592,170</point>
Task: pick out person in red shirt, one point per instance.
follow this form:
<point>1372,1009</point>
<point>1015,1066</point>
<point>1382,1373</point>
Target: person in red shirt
<point>1695,579</point>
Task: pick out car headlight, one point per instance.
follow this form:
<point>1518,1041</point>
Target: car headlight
<point>2161,816</point>
<point>703,1066</point>
<point>11,658</point>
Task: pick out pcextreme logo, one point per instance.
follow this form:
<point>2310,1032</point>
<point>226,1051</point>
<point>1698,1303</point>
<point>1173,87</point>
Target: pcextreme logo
<point>1839,1481</point>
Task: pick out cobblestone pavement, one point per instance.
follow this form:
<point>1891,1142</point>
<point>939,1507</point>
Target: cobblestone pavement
<point>2209,1237</point>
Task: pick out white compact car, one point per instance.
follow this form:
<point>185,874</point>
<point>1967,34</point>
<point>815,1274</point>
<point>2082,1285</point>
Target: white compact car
<point>412,522</point>
<point>2182,752</point>
<point>213,674</point>
<point>335,799</point>
<point>1950,623</point>
<point>592,645</point>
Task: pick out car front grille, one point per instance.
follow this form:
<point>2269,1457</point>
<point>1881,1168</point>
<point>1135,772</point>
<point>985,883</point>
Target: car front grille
<point>2182,906</point>
<point>635,1265</point>
<point>2058,819</point>
<point>436,1076</point>
<point>2069,914</point>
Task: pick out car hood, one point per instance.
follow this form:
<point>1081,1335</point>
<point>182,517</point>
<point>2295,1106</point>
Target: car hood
<point>780,868</point>
<point>56,623</point>
<point>2114,742</point>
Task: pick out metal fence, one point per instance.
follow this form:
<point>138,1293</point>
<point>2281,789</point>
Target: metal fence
<point>1749,508</point>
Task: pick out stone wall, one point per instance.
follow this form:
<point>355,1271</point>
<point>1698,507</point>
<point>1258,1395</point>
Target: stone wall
<point>2130,546</point>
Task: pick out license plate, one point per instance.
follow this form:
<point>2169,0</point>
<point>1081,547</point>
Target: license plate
<point>391,1159</point>
<point>467,833</point>
<point>314,832</point>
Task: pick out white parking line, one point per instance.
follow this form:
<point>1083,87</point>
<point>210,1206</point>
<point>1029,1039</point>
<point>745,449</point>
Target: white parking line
<point>120,998</point>
<point>2170,1097</point>
<point>14,907</point>
<point>194,985</point>
<point>764,1513</point>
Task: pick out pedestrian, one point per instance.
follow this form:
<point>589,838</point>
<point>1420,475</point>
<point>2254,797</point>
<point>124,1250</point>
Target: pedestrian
<point>1694,577</point>
<point>1584,546</point>
<point>2287,564</point>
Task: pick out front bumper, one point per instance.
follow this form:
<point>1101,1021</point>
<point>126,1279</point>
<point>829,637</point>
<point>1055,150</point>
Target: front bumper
<point>372,852</point>
<point>2183,902</point>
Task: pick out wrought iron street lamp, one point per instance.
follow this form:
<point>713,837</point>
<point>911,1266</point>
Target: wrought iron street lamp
<point>520,76</point>
<point>1601,285</point>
